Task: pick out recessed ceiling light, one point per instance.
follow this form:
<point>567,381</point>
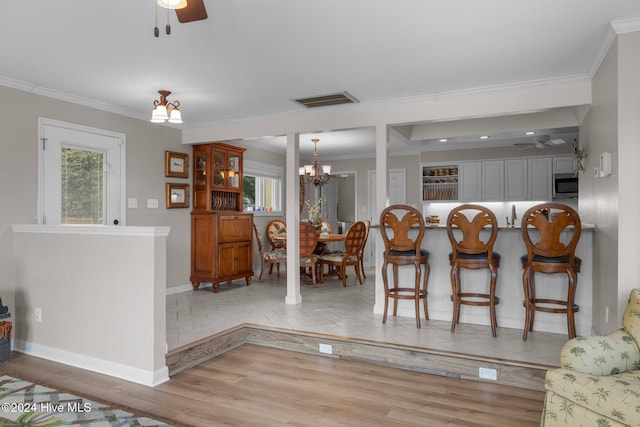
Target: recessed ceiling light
<point>444,140</point>
<point>530,133</point>
<point>484,137</point>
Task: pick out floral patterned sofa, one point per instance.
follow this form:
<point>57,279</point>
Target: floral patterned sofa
<point>599,381</point>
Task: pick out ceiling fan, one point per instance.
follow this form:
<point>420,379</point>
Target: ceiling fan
<point>541,143</point>
<point>186,10</point>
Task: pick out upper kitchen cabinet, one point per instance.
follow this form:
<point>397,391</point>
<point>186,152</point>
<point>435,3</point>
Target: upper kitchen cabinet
<point>440,182</point>
<point>540,178</point>
<point>564,164</point>
<point>493,180</point>
<point>515,181</point>
<point>470,181</point>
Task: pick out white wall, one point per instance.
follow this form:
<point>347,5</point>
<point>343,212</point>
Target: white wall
<point>599,197</point>
<point>101,291</point>
<point>146,143</point>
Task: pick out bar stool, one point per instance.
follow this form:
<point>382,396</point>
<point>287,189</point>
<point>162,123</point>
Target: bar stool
<point>399,250</point>
<point>549,255</point>
<point>473,253</point>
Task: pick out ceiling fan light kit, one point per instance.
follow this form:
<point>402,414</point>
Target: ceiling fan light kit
<point>172,4</point>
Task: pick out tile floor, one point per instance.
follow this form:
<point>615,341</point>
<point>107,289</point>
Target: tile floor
<point>346,312</point>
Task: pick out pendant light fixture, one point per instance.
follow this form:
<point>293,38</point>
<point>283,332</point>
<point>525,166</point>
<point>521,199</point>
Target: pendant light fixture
<point>164,110</point>
<point>314,173</point>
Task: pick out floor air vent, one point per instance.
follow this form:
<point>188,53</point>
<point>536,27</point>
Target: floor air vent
<point>327,100</point>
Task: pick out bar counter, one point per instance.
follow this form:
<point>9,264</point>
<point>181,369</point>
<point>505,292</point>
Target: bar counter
<point>510,312</point>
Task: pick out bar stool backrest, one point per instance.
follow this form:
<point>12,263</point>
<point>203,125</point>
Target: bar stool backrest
<point>395,223</point>
<point>550,220</point>
<point>470,242</point>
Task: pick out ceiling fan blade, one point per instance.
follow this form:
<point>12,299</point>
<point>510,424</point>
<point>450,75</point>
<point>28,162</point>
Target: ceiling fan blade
<point>556,141</point>
<point>195,11</point>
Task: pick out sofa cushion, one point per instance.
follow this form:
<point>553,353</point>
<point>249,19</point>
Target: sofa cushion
<point>613,396</point>
<point>601,355</point>
<point>631,317</point>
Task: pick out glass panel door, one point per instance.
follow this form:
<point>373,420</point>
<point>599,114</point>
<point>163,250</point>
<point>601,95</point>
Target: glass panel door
<point>82,187</point>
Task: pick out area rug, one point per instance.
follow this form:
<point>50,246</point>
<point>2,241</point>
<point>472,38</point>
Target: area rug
<point>23,403</point>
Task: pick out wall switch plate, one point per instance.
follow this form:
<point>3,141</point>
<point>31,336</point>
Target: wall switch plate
<point>38,314</point>
<point>132,203</point>
<point>152,203</point>
<point>488,374</point>
<point>325,348</point>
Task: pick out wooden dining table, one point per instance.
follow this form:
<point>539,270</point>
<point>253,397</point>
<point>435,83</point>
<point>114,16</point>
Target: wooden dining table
<point>324,237</point>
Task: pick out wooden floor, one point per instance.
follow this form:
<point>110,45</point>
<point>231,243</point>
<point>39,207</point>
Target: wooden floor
<point>261,386</point>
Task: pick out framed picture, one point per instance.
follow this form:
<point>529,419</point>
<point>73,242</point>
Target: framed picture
<point>177,195</point>
<point>176,164</point>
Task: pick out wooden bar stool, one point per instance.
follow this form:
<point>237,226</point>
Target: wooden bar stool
<point>400,249</point>
<point>469,251</point>
<point>548,254</point>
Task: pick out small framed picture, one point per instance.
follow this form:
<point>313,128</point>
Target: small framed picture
<point>177,195</point>
<point>176,164</point>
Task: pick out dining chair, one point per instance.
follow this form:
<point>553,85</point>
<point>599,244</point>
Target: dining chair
<point>322,248</point>
<point>277,256</point>
<point>549,252</point>
<point>400,249</point>
<point>367,223</point>
<point>340,260</point>
<point>274,228</point>
<point>308,242</point>
<point>472,250</point>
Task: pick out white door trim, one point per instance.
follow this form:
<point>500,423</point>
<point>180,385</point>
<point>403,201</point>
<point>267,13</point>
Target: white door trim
<point>45,122</point>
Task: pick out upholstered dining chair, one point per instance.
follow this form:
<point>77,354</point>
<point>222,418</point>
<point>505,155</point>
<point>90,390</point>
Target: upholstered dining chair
<point>275,228</point>
<point>340,260</point>
<point>470,250</point>
<point>308,242</point>
<point>549,252</point>
<point>400,249</point>
<point>367,223</point>
<point>277,256</point>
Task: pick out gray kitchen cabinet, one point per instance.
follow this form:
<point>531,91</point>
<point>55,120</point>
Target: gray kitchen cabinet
<point>540,178</point>
<point>515,181</point>
<point>493,180</point>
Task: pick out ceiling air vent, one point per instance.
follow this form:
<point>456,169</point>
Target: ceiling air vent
<point>327,100</point>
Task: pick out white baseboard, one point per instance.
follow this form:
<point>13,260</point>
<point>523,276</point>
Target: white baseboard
<point>185,288</point>
<point>136,375</point>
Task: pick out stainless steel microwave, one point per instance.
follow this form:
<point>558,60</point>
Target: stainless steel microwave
<point>565,186</point>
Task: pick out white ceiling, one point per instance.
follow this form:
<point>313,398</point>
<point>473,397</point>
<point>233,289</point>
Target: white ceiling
<point>252,57</point>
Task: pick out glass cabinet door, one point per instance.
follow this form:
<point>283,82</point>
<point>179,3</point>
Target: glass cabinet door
<point>219,163</point>
<point>234,171</point>
<point>200,167</point>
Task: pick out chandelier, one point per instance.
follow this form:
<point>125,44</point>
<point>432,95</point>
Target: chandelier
<point>314,173</point>
<point>165,110</point>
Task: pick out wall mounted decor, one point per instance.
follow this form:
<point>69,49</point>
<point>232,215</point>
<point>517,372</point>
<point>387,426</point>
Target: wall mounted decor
<point>176,164</point>
<point>177,195</point>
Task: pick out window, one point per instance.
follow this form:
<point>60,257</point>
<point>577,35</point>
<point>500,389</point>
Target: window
<point>262,185</point>
<point>81,174</point>
<point>82,186</point>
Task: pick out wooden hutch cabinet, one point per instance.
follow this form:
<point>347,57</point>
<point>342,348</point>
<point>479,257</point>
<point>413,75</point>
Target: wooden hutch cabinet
<point>221,234</point>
